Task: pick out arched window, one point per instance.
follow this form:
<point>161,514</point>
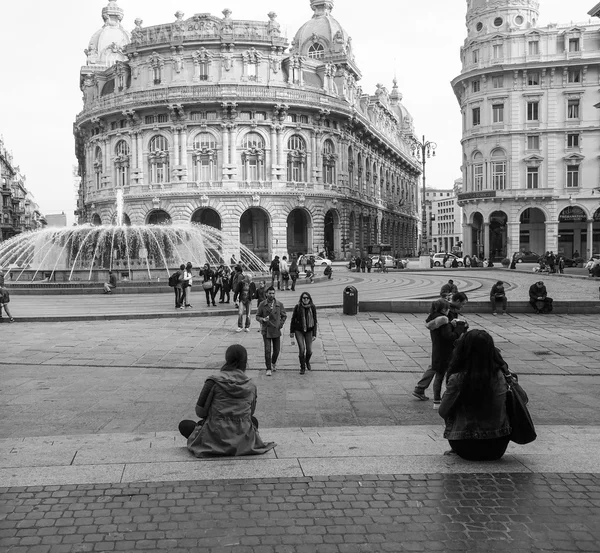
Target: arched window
<point>329,158</point>
<point>122,163</point>
<point>98,167</point>
<point>316,51</point>
<point>296,165</point>
<point>477,172</point>
<point>158,158</point>
<point>205,157</point>
<point>253,157</point>
<point>498,169</point>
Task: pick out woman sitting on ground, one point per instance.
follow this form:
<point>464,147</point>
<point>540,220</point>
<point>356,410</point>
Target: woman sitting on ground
<point>226,405</point>
<point>474,404</point>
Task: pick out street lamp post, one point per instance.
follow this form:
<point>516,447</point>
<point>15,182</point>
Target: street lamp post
<point>423,150</point>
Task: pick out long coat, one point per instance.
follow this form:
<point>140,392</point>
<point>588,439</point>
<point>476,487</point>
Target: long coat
<point>443,335</point>
<point>228,429</point>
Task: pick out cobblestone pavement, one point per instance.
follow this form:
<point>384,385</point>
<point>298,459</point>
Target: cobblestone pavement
<point>353,514</point>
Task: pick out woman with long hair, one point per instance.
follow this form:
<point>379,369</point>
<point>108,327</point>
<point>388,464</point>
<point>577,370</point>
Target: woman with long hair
<point>303,327</point>
<point>226,406</point>
<point>474,404</point>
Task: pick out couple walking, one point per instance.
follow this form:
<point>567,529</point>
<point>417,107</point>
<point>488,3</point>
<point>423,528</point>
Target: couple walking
<point>271,315</point>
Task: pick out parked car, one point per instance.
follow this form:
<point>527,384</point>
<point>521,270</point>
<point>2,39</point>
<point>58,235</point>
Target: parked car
<point>438,259</point>
<point>390,262</point>
<point>319,261</point>
<point>529,257</point>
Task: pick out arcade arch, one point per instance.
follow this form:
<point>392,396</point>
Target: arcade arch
<point>207,216</point>
<point>255,232</point>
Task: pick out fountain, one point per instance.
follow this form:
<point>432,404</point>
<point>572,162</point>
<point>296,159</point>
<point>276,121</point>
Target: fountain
<point>137,252</point>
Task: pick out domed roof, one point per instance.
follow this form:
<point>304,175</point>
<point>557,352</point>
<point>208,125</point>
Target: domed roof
<point>322,37</point>
<point>106,45</point>
<point>406,119</point>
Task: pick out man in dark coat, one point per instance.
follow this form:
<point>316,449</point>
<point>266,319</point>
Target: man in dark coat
<point>448,289</point>
<point>538,298</point>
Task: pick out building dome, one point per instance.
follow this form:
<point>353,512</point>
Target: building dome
<point>404,116</point>
<point>322,37</point>
<point>106,45</point>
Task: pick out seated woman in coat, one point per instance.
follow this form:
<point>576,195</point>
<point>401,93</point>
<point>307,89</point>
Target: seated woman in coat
<point>474,404</point>
<point>226,405</point>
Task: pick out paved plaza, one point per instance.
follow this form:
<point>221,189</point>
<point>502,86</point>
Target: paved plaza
<point>90,459</point>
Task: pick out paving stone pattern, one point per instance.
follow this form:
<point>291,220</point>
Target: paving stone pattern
<point>354,514</point>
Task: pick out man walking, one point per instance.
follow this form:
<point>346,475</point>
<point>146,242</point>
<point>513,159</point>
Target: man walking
<point>4,301</point>
<point>271,315</point>
<point>275,271</point>
<point>245,292</point>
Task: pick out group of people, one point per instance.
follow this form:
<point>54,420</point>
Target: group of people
<point>550,263</point>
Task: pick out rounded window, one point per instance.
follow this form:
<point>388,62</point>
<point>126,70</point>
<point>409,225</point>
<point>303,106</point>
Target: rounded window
<point>158,144</point>
<point>296,143</point>
<point>205,140</point>
<point>479,26</point>
<point>316,51</point>
<point>122,148</point>
<point>498,21</point>
<point>253,140</point>
<point>519,20</point>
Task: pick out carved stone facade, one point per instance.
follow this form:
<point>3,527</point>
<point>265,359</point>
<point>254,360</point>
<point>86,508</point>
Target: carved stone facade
<point>212,120</point>
<point>531,134</point>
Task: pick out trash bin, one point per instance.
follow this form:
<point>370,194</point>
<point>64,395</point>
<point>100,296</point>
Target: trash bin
<point>350,300</point>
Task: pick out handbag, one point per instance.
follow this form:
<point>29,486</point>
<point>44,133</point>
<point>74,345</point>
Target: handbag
<point>207,284</point>
<point>523,430</point>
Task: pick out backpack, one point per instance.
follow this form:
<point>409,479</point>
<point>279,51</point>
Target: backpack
<point>174,279</point>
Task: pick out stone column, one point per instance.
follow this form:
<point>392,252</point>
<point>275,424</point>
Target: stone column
<point>140,152</point>
<point>273,160</point>
<point>280,145</point>
<point>176,146</point>
<point>183,148</point>
<point>232,146</point>
<point>590,240</point>
<point>552,236</point>
<point>486,240</point>
<point>514,238</point>
<point>225,139</point>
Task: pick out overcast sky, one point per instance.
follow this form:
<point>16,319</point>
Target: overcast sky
<point>42,47</point>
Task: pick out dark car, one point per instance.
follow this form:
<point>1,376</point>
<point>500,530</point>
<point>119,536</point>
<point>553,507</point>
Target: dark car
<point>528,257</point>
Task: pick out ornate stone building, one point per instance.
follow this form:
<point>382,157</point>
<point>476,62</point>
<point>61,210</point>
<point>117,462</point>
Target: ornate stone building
<point>19,212</point>
<point>531,136</point>
<point>219,121</point>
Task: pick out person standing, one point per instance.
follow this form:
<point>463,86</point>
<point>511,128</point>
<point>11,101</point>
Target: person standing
<point>236,278</point>
<point>186,285</point>
<point>444,332</point>
<point>261,292</point>
<point>112,283</point>
<point>285,273</point>
<point>245,292</point>
<point>294,272</point>
<point>358,263</point>
<point>513,263</point>
<point>271,315</point>
<point>498,295</point>
<point>4,301</point>
<point>208,283</point>
<point>538,298</point>
<point>275,271</point>
<point>225,273</point>
<point>303,327</point>
<point>175,280</point>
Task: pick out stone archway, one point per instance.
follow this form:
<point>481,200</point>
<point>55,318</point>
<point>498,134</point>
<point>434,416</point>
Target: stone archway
<point>158,217</point>
<point>96,221</point>
<point>207,216</point>
<point>532,231</point>
<point>126,221</point>
<point>572,232</point>
<point>255,232</point>
<point>299,231</point>
<point>498,236</point>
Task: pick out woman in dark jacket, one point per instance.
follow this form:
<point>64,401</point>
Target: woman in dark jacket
<point>444,334</point>
<point>226,405</point>
<point>474,405</point>
<point>303,327</point>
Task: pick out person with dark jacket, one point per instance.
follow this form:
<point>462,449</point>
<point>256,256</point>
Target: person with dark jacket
<point>474,404</point>
<point>245,291</point>
<point>538,298</point>
<point>448,289</point>
<point>226,406</point>
<point>275,271</point>
<point>498,295</point>
<point>4,301</point>
<point>271,315</point>
<point>358,263</point>
<point>178,288</point>
<point>303,327</point>
<point>444,333</point>
<point>208,283</point>
<point>112,283</point>
<point>294,272</point>
<point>236,278</point>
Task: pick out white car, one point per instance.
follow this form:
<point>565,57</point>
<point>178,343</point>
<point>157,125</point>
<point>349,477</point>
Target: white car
<point>319,261</point>
<point>390,262</point>
<point>438,259</point>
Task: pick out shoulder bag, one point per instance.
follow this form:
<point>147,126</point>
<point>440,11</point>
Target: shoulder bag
<point>207,284</point>
<point>523,430</point>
